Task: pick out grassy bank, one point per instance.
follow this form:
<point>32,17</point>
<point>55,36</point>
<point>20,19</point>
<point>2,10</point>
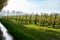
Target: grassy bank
<point>30,32</point>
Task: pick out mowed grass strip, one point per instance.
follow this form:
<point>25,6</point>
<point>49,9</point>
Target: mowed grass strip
<point>30,32</point>
<point>32,26</point>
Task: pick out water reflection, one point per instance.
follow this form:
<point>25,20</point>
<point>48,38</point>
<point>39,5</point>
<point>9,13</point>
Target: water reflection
<point>6,36</point>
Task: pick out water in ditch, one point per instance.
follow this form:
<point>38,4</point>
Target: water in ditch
<point>6,35</point>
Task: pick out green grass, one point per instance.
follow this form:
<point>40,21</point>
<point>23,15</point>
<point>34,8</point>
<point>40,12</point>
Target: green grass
<point>30,32</point>
<point>32,26</point>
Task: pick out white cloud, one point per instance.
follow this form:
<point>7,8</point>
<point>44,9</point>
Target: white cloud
<point>21,5</point>
<point>49,6</point>
<point>26,6</point>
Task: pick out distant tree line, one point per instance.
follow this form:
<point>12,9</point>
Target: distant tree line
<point>44,19</point>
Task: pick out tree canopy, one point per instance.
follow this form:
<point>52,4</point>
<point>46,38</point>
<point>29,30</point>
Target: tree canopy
<point>2,3</point>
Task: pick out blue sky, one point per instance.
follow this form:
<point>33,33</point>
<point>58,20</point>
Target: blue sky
<point>36,1</point>
<point>39,6</point>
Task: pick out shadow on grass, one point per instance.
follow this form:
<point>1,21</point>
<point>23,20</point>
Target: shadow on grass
<point>20,32</point>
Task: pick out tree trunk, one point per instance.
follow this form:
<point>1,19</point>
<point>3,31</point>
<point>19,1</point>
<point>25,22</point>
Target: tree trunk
<point>54,24</point>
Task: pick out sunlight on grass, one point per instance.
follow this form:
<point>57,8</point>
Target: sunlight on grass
<point>38,27</point>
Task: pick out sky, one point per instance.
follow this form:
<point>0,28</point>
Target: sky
<point>36,6</point>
